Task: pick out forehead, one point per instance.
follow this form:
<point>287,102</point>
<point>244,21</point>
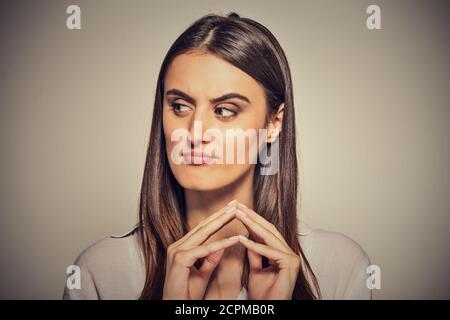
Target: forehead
<point>204,75</point>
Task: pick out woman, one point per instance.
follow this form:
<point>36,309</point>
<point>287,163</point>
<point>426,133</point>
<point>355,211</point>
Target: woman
<point>215,229</point>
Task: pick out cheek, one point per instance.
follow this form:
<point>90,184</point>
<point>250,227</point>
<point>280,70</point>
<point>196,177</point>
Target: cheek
<point>170,127</point>
<point>167,124</point>
<point>252,125</point>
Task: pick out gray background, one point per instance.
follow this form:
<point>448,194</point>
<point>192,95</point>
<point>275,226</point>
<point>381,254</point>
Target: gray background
<point>372,113</point>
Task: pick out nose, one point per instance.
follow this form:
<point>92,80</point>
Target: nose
<point>198,124</point>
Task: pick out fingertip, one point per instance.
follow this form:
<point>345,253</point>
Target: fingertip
<point>230,211</point>
<point>243,238</point>
<point>241,214</point>
<point>241,205</point>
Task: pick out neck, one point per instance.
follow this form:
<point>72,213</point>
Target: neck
<point>201,204</point>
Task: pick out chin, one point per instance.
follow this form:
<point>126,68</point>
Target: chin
<point>201,185</point>
<point>205,182</point>
<point>199,179</point>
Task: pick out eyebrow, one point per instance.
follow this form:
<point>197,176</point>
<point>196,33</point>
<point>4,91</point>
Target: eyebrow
<point>224,97</point>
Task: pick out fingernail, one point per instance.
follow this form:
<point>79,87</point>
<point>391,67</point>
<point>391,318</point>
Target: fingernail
<point>232,202</point>
<point>241,214</point>
<point>231,210</point>
<point>233,238</point>
<point>241,237</point>
<point>242,205</point>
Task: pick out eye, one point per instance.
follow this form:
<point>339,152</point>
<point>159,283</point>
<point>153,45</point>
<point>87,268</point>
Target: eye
<point>225,112</point>
<point>179,108</point>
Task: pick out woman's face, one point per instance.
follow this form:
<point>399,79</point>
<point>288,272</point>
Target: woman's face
<point>193,83</point>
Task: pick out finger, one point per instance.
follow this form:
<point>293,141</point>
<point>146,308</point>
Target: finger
<point>203,233</point>
<point>187,258</point>
<point>211,262</point>
<point>257,217</point>
<point>231,204</point>
<point>205,271</point>
<point>254,260</point>
<point>282,259</point>
<point>268,237</point>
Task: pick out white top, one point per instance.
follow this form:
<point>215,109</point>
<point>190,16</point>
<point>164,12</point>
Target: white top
<point>113,268</point>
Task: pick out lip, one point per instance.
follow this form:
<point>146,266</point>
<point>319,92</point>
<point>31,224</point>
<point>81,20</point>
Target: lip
<point>195,158</point>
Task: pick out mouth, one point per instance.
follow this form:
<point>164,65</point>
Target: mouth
<point>195,158</point>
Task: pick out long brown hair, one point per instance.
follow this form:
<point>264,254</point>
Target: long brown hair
<point>252,48</point>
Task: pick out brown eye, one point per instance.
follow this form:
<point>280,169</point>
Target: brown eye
<point>225,113</point>
<point>179,108</point>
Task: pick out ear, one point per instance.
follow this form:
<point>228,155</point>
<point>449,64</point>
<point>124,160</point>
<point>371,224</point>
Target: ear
<point>274,126</point>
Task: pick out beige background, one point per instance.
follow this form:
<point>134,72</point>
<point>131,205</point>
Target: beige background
<point>373,121</point>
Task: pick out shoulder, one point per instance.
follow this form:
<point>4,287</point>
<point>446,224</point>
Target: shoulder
<point>338,261</point>
<point>107,252</point>
<point>109,268</point>
<point>330,242</point>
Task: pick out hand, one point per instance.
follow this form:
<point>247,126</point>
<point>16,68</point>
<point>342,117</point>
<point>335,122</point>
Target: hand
<point>277,281</point>
<point>183,281</point>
